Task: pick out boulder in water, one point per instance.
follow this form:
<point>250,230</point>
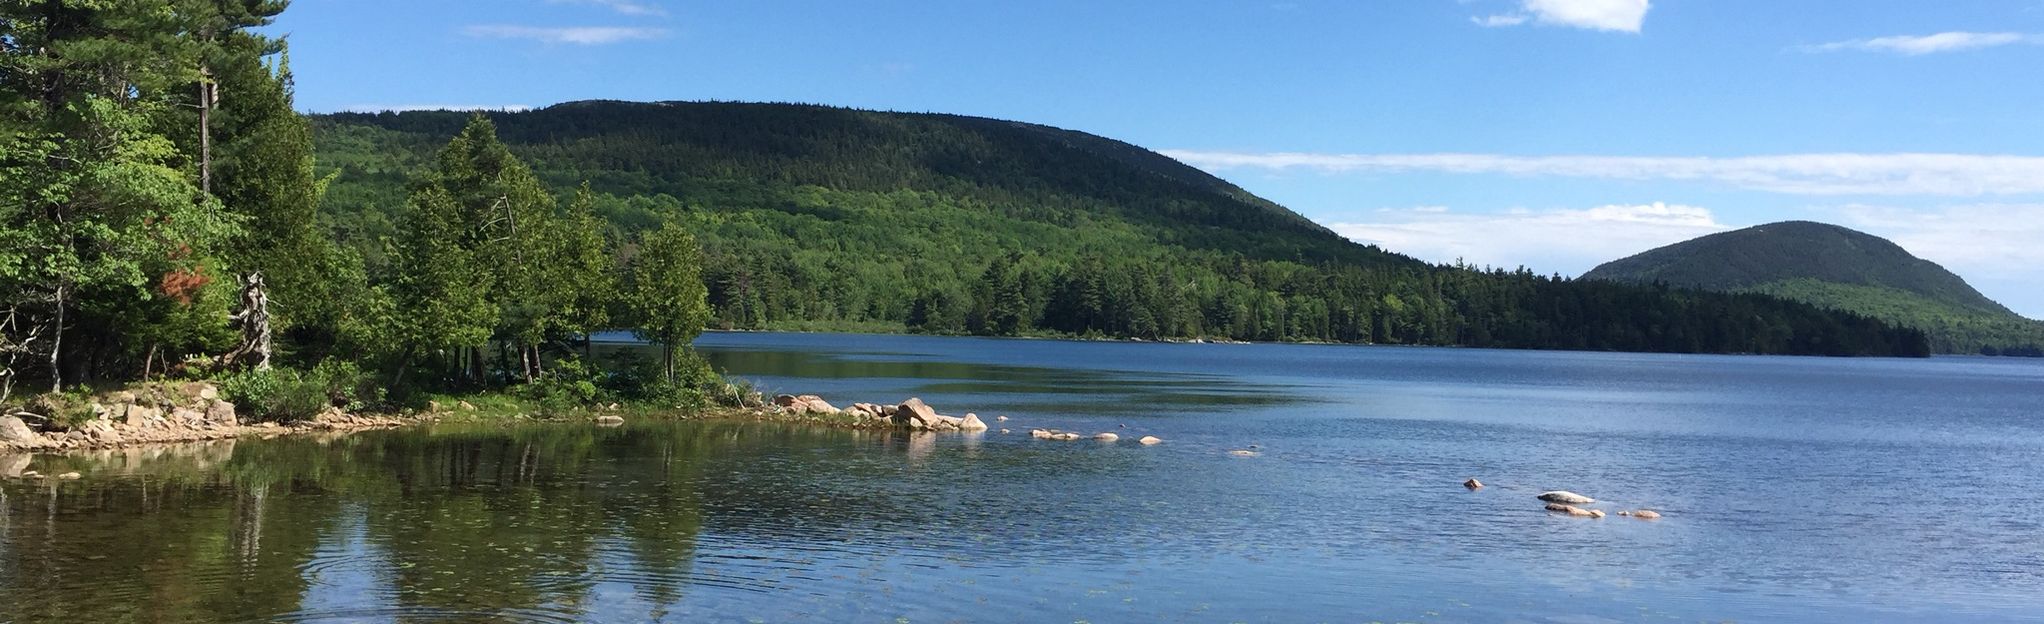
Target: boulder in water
<point>1243,453</point>
<point>1643,514</point>
<point>971,422</point>
<point>1573,510</point>
<point>1106,437</point>
<point>1473,484</point>
<point>1566,497</point>
<point>914,414</point>
<point>1149,440</point>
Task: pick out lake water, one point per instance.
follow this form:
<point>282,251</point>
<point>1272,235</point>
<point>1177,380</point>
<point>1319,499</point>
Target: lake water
<point>1795,490</point>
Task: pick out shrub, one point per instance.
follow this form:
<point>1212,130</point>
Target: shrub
<point>568,385</point>
<point>277,394</point>
<point>346,385</point>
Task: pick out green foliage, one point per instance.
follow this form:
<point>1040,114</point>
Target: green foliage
<point>821,218</point>
<point>1841,269</point>
<point>665,292</point>
<point>276,395</point>
<point>567,386</point>
<point>347,385</point>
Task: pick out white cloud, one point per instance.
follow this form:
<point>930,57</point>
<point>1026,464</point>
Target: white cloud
<point>1502,19</point>
<point>625,7</point>
<point>1798,174</point>
<point>1610,15</point>
<point>1971,239</point>
<point>400,108</point>
<point>577,35</point>
<point>1918,45</point>
<point>1568,241</point>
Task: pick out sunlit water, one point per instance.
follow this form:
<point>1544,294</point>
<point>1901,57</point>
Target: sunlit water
<point>1794,490</point>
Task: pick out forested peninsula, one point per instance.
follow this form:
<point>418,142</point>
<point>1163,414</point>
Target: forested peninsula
<point>166,214</point>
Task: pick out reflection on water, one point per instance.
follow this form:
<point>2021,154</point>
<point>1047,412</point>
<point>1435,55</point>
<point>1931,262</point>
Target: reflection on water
<point>1795,490</point>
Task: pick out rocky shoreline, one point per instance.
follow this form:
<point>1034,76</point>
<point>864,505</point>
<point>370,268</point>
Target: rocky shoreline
<point>163,413</point>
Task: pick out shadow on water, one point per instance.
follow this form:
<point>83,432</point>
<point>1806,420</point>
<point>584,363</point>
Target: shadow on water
<point>528,523</point>
<point>1045,389</point>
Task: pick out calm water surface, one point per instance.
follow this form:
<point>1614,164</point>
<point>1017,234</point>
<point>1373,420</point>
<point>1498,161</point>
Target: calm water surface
<point>1796,490</point>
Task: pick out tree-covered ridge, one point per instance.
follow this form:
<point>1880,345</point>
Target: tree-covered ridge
<point>824,218</point>
<point>1790,250</point>
<point>733,152</point>
<point>1837,268</point>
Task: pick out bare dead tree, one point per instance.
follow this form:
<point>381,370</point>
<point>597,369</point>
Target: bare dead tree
<point>20,337</point>
<point>253,319</point>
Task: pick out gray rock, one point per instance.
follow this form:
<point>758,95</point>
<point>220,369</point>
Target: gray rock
<point>222,413</point>
<point>13,431</point>
<point>971,423</point>
<point>1575,511</point>
<point>1106,437</point>
<point>1149,440</point>
<point>142,415</point>
<point>186,415</point>
<point>1566,497</point>
<point>1473,484</point>
<point>914,414</point>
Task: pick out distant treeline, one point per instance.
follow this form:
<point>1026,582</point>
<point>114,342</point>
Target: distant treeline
<point>827,218</point>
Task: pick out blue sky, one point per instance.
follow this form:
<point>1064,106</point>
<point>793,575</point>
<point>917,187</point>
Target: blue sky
<point>1553,134</point>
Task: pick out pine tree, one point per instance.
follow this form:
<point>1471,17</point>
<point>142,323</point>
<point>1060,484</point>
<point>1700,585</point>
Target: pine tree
<point>669,305</point>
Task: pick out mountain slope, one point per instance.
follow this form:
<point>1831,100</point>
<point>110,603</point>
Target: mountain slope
<point>815,217</point>
<point>1837,268</point>
<point>734,151</point>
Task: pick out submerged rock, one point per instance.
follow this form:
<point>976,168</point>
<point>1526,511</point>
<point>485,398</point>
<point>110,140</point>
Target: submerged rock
<point>1565,496</point>
<point>1243,453</point>
<point>610,420</point>
<point>1473,484</point>
<point>1040,434</point>
<point>1643,514</point>
<point>1149,440</point>
<point>1575,511</point>
<point>1106,437</point>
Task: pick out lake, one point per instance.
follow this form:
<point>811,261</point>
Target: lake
<point>1794,489</point>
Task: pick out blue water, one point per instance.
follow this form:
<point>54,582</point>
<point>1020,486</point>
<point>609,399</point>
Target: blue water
<point>1794,490</point>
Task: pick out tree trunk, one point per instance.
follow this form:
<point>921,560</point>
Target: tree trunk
<point>57,346</point>
<point>667,361</point>
<point>205,130</point>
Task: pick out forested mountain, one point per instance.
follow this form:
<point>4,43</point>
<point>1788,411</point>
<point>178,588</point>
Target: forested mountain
<point>815,217</point>
<point>1838,268</point>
